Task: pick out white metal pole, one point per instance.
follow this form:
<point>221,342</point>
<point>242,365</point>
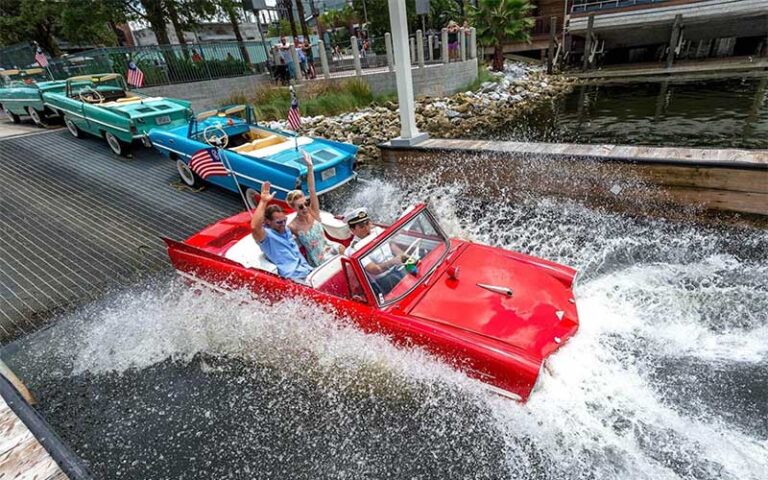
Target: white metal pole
<point>409,134</point>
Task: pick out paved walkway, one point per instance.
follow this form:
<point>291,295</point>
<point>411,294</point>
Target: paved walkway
<point>9,129</point>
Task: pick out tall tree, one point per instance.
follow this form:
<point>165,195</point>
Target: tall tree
<point>173,16</point>
<point>378,16</point>
<point>443,11</point>
<point>154,13</point>
<point>30,20</point>
<point>501,21</point>
<point>302,18</point>
<point>287,8</point>
<point>229,8</point>
<point>89,22</point>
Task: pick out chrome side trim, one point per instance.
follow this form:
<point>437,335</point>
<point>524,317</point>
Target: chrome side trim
<point>70,112</point>
<point>257,180</point>
<point>503,393</point>
<point>159,145</point>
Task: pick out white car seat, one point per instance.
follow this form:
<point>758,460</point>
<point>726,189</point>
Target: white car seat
<point>247,253</point>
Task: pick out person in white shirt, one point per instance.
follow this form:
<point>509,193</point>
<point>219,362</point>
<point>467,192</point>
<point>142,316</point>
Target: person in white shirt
<point>381,264</point>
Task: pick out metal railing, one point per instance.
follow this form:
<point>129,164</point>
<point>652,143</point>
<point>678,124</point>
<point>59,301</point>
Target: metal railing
<point>17,56</point>
<point>580,6</point>
<point>173,64</point>
<point>168,64</point>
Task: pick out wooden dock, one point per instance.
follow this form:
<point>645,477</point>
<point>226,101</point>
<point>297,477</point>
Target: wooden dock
<point>22,457</point>
<point>643,178</point>
<point>29,449</point>
<point>743,66</point>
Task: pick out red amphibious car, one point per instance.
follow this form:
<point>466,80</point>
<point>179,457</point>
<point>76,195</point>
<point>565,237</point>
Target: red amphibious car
<point>494,314</point>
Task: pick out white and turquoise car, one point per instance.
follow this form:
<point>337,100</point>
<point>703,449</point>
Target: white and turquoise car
<point>21,94</point>
<point>103,106</point>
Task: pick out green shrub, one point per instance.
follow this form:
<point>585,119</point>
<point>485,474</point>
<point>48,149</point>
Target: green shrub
<point>315,98</point>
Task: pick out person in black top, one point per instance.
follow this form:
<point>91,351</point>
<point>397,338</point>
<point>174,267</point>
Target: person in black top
<point>307,49</point>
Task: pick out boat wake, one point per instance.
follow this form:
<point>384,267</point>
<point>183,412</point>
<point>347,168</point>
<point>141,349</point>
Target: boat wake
<point>666,379</point>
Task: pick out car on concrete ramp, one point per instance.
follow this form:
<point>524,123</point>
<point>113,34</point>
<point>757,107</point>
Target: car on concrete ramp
<point>102,105</point>
<point>253,154</point>
<point>21,94</point>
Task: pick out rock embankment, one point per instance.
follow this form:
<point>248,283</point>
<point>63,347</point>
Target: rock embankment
<point>516,91</point>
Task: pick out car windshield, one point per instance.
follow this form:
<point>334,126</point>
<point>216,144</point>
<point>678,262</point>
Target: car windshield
<point>107,85</point>
<point>25,77</point>
<point>405,258</point>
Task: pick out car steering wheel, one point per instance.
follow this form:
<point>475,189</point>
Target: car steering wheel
<point>93,95</point>
<point>408,252</point>
<point>216,136</point>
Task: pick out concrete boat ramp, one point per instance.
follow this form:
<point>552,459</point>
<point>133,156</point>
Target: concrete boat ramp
<point>77,221</point>
<point>646,180</point>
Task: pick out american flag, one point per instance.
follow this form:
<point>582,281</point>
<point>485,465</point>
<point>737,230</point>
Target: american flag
<point>135,75</point>
<point>40,57</point>
<point>294,119</point>
<point>206,163</point>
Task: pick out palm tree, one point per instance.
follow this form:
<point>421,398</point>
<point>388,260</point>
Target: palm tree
<point>501,21</point>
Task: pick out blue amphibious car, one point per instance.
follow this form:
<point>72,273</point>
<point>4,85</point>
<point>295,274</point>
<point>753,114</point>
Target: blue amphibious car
<point>255,154</point>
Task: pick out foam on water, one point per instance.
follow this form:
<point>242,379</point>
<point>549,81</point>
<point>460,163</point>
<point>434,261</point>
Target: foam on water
<point>651,296</point>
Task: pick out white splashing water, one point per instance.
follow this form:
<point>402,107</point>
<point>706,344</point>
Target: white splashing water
<point>599,414</point>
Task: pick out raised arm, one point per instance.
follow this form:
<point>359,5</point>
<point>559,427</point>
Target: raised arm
<point>314,203</point>
<point>257,221</point>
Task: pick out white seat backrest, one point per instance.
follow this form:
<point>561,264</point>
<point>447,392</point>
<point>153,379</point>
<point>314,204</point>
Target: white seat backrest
<point>247,253</point>
<point>324,272</point>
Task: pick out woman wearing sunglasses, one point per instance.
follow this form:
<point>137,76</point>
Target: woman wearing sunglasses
<point>306,225</point>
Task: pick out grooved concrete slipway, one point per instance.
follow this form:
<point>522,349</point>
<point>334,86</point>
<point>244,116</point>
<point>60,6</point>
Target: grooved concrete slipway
<point>76,220</point>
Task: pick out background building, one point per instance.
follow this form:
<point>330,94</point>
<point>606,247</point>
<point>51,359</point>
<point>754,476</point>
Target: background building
<point>643,30</point>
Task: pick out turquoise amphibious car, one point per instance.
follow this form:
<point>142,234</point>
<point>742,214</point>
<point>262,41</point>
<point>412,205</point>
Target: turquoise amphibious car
<point>103,106</point>
<point>21,94</point>
<point>253,154</point>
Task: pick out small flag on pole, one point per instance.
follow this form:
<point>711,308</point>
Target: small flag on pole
<point>40,57</point>
<point>206,163</point>
<point>294,119</point>
<point>135,76</point>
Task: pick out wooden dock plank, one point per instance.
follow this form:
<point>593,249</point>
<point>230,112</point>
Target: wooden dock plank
<point>22,457</point>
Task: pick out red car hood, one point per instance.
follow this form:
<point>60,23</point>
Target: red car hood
<point>538,316</point>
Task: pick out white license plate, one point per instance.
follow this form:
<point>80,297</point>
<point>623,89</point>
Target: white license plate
<point>326,174</point>
<point>165,119</point>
